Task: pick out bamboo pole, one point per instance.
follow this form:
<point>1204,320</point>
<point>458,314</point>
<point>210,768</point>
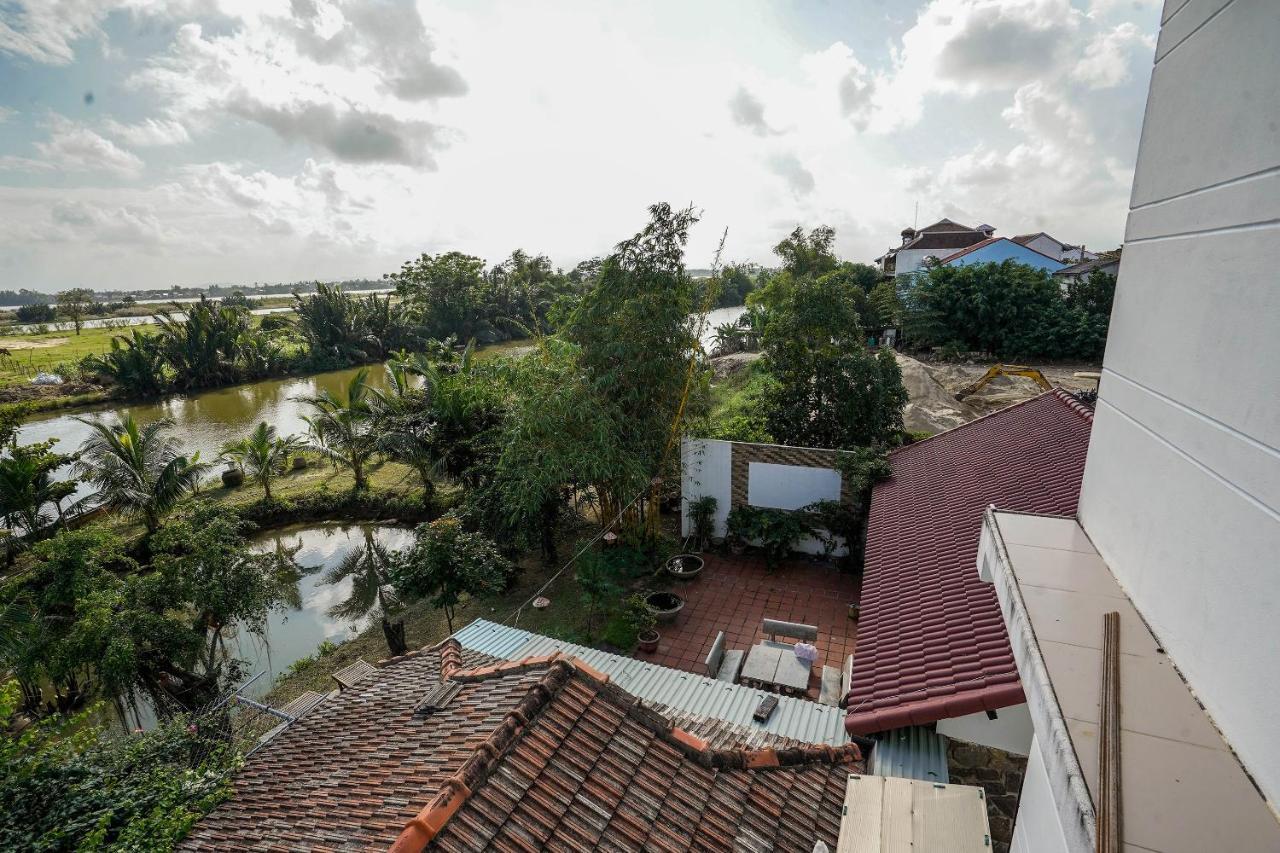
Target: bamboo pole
<point>1109,809</point>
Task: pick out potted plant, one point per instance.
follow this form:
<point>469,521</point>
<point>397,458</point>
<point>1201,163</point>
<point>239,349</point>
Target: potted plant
<point>702,514</point>
<point>774,530</point>
<point>685,567</point>
<point>664,606</point>
<point>642,621</point>
<point>232,477</point>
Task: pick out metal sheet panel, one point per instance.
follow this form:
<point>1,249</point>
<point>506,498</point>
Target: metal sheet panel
<point>670,689</point>
<point>913,752</point>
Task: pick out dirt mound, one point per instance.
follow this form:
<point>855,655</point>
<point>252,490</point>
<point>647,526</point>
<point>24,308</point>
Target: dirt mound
<point>724,365</point>
<point>932,407</point>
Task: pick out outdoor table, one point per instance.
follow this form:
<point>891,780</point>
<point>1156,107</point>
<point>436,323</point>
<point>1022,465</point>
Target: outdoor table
<point>771,663</point>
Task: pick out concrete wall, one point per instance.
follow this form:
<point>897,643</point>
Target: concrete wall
<point>1011,731</point>
<point>1181,492</point>
<point>910,260</point>
<point>707,469</point>
<point>1037,829</point>
<point>1007,250</point>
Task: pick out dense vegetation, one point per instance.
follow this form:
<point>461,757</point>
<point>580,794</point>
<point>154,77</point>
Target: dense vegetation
<point>1006,310</point>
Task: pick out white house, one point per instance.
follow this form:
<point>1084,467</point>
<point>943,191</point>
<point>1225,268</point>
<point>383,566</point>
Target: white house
<point>1178,525</point>
<point>1053,247</point>
<point>938,240</point>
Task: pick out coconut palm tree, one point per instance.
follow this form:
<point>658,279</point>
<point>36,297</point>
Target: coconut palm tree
<point>341,428</point>
<point>138,469</point>
<point>262,454</point>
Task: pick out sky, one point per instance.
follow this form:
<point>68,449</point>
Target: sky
<point>149,143</point>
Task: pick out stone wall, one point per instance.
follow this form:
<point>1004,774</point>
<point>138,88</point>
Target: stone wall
<point>999,774</point>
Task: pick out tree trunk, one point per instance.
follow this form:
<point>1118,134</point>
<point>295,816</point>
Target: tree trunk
<point>394,632</point>
<point>266,488</point>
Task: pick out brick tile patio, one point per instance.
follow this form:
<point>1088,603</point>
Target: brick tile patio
<point>735,594</point>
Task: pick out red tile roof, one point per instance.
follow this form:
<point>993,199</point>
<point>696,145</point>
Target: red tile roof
<point>511,754</point>
<point>931,642</point>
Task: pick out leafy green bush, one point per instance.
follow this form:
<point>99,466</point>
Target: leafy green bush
<point>775,530</point>
<point>64,785</point>
<point>702,515</point>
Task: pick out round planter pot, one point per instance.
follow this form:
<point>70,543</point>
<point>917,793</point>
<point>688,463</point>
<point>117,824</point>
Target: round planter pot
<point>664,605</point>
<point>737,547</point>
<point>232,478</point>
<point>299,463</point>
<point>647,641</point>
<point>685,567</point>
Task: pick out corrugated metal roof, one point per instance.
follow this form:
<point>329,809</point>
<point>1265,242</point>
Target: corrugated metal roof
<point>912,752</point>
<point>676,691</point>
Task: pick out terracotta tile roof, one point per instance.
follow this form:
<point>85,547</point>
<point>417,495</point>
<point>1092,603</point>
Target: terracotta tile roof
<point>931,642</point>
<point>512,754</point>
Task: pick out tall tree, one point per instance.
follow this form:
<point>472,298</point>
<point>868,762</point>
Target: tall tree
<point>637,337</point>
<point>829,391</point>
<point>75,304</point>
<point>138,469</point>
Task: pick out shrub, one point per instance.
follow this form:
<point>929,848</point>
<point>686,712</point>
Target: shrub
<point>775,530</point>
<point>702,514</point>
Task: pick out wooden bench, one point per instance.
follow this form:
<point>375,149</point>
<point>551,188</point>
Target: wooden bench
<point>722,664</point>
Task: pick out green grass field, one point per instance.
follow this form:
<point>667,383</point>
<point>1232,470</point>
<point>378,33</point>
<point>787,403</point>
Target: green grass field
<point>31,354</point>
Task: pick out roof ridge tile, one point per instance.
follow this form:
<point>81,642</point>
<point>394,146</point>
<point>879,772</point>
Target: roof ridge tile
<point>561,669</point>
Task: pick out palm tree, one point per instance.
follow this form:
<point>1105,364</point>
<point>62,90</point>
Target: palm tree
<point>341,429</point>
<point>134,362</point>
<point>138,469</point>
<point>27,486</point>
<point>371,591</point>
<point>262,454</point>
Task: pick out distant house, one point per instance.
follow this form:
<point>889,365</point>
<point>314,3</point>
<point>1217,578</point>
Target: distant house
<point>1053,247</point>
<point>999,249</point>
<point>1108,263</point>
<point>943,237</point>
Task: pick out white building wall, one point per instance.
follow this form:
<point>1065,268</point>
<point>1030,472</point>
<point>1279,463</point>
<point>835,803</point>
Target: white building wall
<point>1181,492</point>
<point>706,468</point>
<point>910,260</point>
<point>1037,829</point>
<point>1011,730</point>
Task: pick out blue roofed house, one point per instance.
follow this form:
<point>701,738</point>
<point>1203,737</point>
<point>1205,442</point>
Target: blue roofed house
<point>995,250</point>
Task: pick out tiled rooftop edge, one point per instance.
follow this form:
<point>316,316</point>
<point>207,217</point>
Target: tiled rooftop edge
<point>433,817</point>
<point>1063,396</point>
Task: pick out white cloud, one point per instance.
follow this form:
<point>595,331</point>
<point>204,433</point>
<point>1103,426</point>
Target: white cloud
<point>1107,58</point>
<point>347,79</point>
<point>44,30</point>
<point>81,223</point>
<point>148,132</point>
<point>73,147</point>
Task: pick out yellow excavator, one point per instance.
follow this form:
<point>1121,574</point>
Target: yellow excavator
<point>1004,370</point>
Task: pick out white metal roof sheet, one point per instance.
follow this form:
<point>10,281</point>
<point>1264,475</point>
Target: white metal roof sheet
<point>673,689</point>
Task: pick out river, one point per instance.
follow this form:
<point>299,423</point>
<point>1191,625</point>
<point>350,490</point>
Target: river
<point>204,422</point>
